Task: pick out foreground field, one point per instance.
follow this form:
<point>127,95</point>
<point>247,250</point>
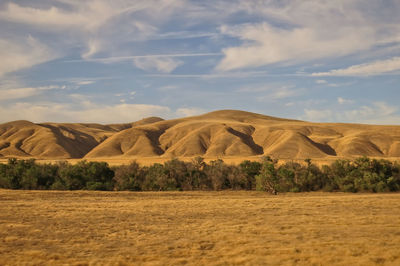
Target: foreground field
<point>200,228</point>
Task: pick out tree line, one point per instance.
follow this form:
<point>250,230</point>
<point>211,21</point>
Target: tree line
<point>358,175</point>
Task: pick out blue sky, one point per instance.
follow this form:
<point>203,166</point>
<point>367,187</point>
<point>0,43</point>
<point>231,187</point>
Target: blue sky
<point>119,61</point>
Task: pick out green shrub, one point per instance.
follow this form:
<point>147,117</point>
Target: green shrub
<point>250,170</point>
<point>268,180</point>
<point>129,177</point>
<point>360,175</point>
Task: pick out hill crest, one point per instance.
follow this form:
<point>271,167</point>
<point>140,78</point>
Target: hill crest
<point>215,134</point>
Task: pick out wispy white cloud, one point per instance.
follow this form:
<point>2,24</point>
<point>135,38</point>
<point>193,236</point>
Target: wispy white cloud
<point>224,75</point>
<point>156,35</point>
<point>93,46</point>
<point>94,25</point>
<point>124,96</point>
<point>78,97</point>
<point>182,35</point>
<point>368,69</point>
<point>285,92</point>
<point>52,16</point>
<point>158,64</point>
<point>88,16</point>
<point>168,88</point>
<point>189,111</point>
<point>81,80</point>
<point>376,113</point>
<point>23,53</point>
<point>318,115</point>
<point>260,88</point>
<point>272,92</point>
<point>19,93</point>
<point>308,30</point>
<point>85,82</point>
<point>90,112</point>
<point>341,84</point>
<point>341,100</point>
<point>265,44</point>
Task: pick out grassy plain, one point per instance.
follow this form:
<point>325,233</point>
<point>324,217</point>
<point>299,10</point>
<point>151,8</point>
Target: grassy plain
<point>202,228</point>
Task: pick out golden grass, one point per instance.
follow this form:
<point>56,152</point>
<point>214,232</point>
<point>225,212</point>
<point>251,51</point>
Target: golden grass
<point>202,228</point>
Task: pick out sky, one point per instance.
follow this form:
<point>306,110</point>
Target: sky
<point>115,61</point>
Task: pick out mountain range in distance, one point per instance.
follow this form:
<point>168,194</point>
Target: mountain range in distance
<point>219,134</point>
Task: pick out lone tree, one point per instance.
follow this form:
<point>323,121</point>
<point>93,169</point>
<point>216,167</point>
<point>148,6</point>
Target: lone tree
<point>268,180</point>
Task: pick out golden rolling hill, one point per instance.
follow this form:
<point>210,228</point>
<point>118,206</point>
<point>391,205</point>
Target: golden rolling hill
<point>215,134</point>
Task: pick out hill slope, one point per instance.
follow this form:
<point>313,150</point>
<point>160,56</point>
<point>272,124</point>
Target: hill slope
<point>238,133</point>
<point>215,134</point>
<point>56,140</point>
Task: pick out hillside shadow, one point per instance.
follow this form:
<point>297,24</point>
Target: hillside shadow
<point>248,140</point>
<point>154,137</point>
<point>323,147</point>
<point>78,147</point>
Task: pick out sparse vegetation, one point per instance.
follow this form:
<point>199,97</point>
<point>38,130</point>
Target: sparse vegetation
<point>359,175</point>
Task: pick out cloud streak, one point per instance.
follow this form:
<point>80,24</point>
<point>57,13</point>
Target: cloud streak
<point>20,93</point>
<point>115,59</point>
<point>379,67</point>
<point>159,64</point>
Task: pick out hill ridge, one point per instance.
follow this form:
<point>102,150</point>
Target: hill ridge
<point>214,134</point>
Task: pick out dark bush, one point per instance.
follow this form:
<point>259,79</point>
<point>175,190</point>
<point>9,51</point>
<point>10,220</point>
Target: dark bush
<point>129,177</point>
<point>250,170</point>
<point>360,175</point>
<point>217,173</point>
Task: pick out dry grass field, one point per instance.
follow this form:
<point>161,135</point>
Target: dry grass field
<point>201,228</point>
